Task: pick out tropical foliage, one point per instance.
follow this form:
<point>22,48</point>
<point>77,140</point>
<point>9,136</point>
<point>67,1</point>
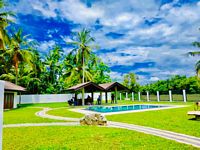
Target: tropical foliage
<point>130,81</point>
<point>196,53</point>
<point>176,83</point>
<point>22,63</point>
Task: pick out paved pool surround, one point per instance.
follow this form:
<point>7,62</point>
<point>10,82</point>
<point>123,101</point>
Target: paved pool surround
<point>85,111</point>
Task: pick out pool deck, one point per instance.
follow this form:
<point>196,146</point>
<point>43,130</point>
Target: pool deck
<point>84,111</point>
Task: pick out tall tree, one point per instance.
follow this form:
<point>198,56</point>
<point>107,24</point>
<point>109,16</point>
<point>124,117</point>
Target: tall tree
<point>196,53</point>
<point>53,69</point>
<point>18,51</point>
<point>82,43</point>
<point>4,22</point>
<point>130,81</point>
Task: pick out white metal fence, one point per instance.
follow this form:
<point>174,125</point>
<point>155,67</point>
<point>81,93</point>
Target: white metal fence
<point>170,96</point>
<point>52,98</point>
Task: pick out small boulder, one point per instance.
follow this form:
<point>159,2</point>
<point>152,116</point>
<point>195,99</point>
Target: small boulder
<point>94,119</point>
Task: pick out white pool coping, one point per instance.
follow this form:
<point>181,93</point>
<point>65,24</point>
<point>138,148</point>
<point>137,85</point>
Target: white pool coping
<point>84,111</point>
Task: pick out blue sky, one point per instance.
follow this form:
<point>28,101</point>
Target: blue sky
<point>148,37</point>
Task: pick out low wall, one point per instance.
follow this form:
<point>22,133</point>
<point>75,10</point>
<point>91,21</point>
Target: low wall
<point>52,98</point>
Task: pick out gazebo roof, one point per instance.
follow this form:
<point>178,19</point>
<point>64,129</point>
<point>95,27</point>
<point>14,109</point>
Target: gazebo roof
<point>111,86</point>
<point>88,86</point>
<point>13,87</point>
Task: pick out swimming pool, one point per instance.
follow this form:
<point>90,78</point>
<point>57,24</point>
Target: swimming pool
<point>108,109</point>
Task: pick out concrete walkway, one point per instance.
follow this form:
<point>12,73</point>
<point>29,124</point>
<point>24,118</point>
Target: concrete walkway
<point>182,138</point>
<point>43,114</point>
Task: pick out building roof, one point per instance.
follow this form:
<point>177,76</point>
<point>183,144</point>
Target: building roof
<point>111,86</point>
<point>88,86</point>
<point>13,87</point>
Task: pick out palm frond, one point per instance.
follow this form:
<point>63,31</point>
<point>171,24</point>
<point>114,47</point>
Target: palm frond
<point>197,53</point>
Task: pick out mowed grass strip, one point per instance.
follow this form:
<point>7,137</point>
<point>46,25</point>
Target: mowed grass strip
<point>50,105</point>
<point>83,138</point>
<point>175,120</point>
<point>24,115</point>
<point>65,112</point>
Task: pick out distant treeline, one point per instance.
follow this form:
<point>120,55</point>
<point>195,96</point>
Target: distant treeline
<point>176,84</point>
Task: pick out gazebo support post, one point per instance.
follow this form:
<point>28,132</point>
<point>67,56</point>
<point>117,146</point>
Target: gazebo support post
<point>92,96</point>
<point>75,98</point>
<point>83,96</point>
<point>106,97</point>
<point>116,94</point>
<point>101,98</point>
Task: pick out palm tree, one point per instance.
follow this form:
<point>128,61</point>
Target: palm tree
<point>53,69</point>
<point>18,51</point>
<point>196,53</point>
<point>4,21</point>
<point>83,50</point>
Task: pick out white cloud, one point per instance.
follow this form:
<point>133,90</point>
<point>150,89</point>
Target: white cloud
<point>46,45</point>
<point>164,42</point>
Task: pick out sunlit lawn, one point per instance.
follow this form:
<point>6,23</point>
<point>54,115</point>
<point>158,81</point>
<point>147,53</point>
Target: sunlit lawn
<point>96,137</point>
<point>84,138</point>
<point>175,120</point>
<point>24,115</point>
<point>65,112</point>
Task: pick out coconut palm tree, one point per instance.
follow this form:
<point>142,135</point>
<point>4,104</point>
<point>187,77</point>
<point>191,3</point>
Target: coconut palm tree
<point>83,49</point>
<point>18,51</point>
<point>4,21</point>
<point>196,53</point>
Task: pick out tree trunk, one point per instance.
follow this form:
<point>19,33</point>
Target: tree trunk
<point>16,72</point>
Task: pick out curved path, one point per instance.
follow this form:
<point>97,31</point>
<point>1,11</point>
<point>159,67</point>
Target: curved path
<point>182,138</point>
<point>43,114</point>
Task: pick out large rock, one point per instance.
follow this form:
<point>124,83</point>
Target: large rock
<point>94,119</point>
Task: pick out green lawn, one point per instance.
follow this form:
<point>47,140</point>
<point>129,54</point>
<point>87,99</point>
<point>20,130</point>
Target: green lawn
<point>65,112</point>
<point>175,120</point>
<point>51,105</point>
<point>24,115</point>
<point>84,138</point>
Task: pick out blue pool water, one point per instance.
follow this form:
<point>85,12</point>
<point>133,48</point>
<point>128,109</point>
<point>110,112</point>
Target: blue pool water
<point>107,109</point>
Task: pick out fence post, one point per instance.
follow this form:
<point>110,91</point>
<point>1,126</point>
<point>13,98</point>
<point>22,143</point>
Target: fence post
<point>132,96</point>
<point>120,96</point>
<point>158,96</point>
<point>147,96</point>
<point>126,96</point>
<point>139,98</point>
<point>1,111</point>
<point>170,95</point>
<point>184,96</point>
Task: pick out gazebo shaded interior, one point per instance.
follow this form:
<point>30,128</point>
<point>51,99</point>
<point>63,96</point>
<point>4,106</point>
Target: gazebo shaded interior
<point>91,87</point>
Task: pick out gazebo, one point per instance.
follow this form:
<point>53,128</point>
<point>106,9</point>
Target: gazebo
<point>89,87</point>
<point>114,86</point>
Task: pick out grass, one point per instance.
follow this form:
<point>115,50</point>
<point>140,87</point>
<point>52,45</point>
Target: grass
<point>24,115</point>
<point>51,105</point>
<point>175,120</point>
<point>65,112</point>
<point>175,97</point>
<point>84,138</point>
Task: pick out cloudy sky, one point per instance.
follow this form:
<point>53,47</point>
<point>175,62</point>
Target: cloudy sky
<point>147,37</point>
